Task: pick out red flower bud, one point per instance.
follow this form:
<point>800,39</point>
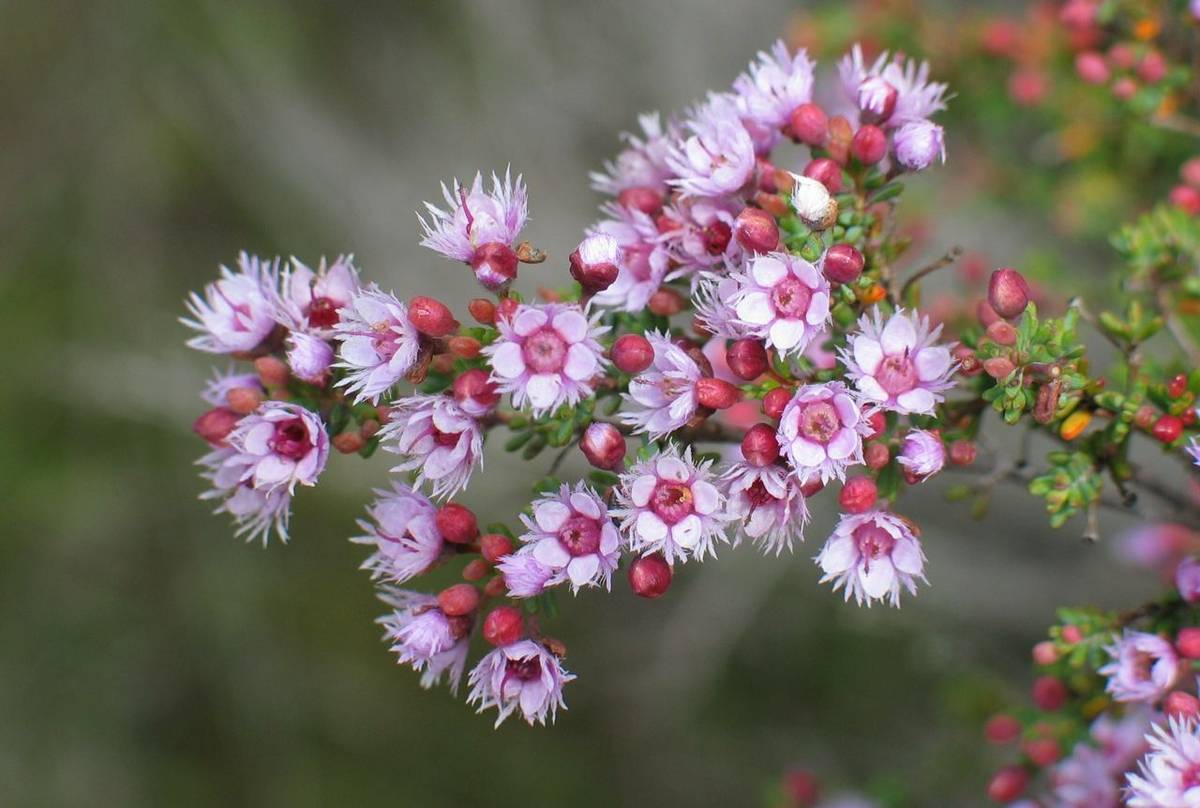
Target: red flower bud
<point>1145,416</point>
<point>1043,751</point>
<point>348,442</point>
<point>968,362</point>
<point>1002,728</point>
<point>495,265</point>
<point>878,424</point>
<point>1185,197</point>
<point>843,263</point>
<point>747,358</point>
<point>998,367</point>
<point>838,141</point>
<point>1177,386</point>
<point>1008,292</point>
<point>458,600</point>
<point>774,402</point>
<point>1124,88</point>
<point>1179,704</point>
<point>717,394</point>
<point>1044,653</point>
<point>457,523</point>
<point>650,576</point>
<point>244,400</point>
<point>869,145</point>
<point>826,172</point>
<point>985,313</point>
<point>465,347</point>
<point>1002,333</point>
<point>504,625</point>
<point>494,546</point>
<point>474,391</point>
<point>1188,643</point>
<point>506,308</point>
<point>812,487</point>
<point>1049,693</point>
<point>603,445</point>
<point>1071,634</point>
<point>431,317</point>
<point>632,353</point>
<point>666,302</point>
<point>272,371</point>
<point>594,263</point>
<point>760,447</point>
<point>483,310</point>
<point>216,424</point>
<point>876,456</point>
<point>858,495</point>
<point>1008,784</point>
<point>802,788</point>
<point>756,230</point>
<point>1167,429</point>
<point>962,452</point>
<point>809,124</point>
<point>646,200</point>
<point>1092,68</point>
<point>1152,67</point>
<point>475,570</point>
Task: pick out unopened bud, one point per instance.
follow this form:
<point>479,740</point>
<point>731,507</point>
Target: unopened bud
<point>603,445</point>
<point>716,394</point>
<point>760,447</point>
<point>878,423</point>
<point>838,141</point>
<point>494,546</point>
<point>962,452</point>
<point>998,367</point>
<point>1008,784</point>
<point>594,262</point>
<point>431,317</point>
<point>1042,752</point>
<point>650,576</point>
<point>1002,728</point>
<point>985,313</point>
<point>813,204</point>
<point>858,495</point>
<point>216,424</point>
<point>348,442</point>
<point>632,353</point>
<point>869,145</point>
<point>756,230</point>
<point>272,371</point>
<point>843,263</point>
<point>826,172</point>
<point>475,392</point>
<point>774,402</point>
<point>482,310</point>
<point>1092,68</point>
<point>747,358</point>
<point>876,100</point>
<point>876,456</point>
<point>456,523</point>
<point>1008,292</point>
<point>244,400</point>
<point>465,347</point>
<point>1002,333</point>
<point>458,600</point>
<point>495,265</point>
<point>641,198</point>
<point>1049,693</point>
<point>1186,198</point>
<point>1167,429</point>
<point>504,625</point>
<point>1187,641</point>
<point>809,124</point>
<point>475,570</point>
<point>666,302</point>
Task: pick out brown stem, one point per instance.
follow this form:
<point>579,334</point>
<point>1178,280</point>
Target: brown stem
<point>949,258</point>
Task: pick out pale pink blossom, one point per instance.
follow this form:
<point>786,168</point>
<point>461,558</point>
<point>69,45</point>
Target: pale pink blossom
<point>379,344</point>
<point>1187,579</point>
<point>1169,775</point>
<point>916,97</point>
<point>897,364</point>
<point>918,144</point>
<point>774,85</point>
<point>768,502</point>
<point>1123,740</point>
<point>821,431</point>
<point>309,357</point>
<point>439,441</point>
<point>784,300</point>
<point>524,575</point>
<point>715,312</point>
<point>403,532</point>
<point>701,234</point>
<point>424,637</point>
<point>216,390</point>
<point>1083,780</point>
<point>255,512</point>
<point>644,262</point>
<point>474,217</point>
<point>571,534</point>
<point>1143,668</point>
<point>236,312</point>
<point>643,163</point>
<point>662,398</point>
<point>922,454</point>
<point>872,556</point>
<point>718,157</point>
<point>310,300</point>
<point>521,676</point>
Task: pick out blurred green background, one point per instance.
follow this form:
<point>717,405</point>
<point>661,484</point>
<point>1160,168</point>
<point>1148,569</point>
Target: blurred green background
<point>149,658</point>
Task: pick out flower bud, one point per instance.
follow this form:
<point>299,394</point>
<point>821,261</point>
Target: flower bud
<point>813,204</point>
<point>760,447</point>
<point>1190,172</point>
<point>494,546</point>
<point>1044,653</point>
<point>1078,14</point>
<point>756,230</point>
<point>603,445</point>
<point>826,172</point>
<point>1049,693</point>
<point>215,425</point>
<point>309,357</point>
<point>457,523</point>
<point>1042,752</point>
<point>495,587</point>
<point>272,371</point>
<point>495,265</point>
<point>876,456</point>
<point>747,358</point>
<point>838,141</point>
<point>1008,293</point>
<point>858,494</point>
<point>1188,642</point>
<point>809,124</point>
<point>632,353</point>
<point>985,313</point>
<point>802,788</point>
<point>1152,68</point>
<point>594,262</point>
<point>878,423</point>
<point>458,600</point>
<point>869,146</point>
<point>348,442</point>
<point>431,317</point>
<point>998,367</point>
<point>917,145</point>
<point>876,100</point>
<point>641,198</point>
<point>962,452</point>
<point>774,402</point>
<point>504,625</point>
<point>1002,728</point>
<point>666,302</point>
<point>1072,634</point>
<point>1167,429</point>
<point>1124,88</point>
<point>482,310</point>
<point>1177,386</point>
<point>843,263</point>
<point>650,576</point>
<point>716,394</point>
<point>1187,579</point>
<point>475,570</point>
<point>1002,333</point>
<point>1092,68</point>
<point>506,308</point>
<point>1179,704</point>
<point>968,362</point>
<point>244,400</point>
<point>475,392</point>
<point>1186,198</point>
<point>1008,784</point>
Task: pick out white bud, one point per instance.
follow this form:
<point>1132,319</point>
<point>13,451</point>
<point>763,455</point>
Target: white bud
<point>813,203</point>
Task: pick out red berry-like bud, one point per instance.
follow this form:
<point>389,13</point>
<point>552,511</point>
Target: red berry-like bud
<point>475,391</point>
<point>962,452</point>
<point>810,124</point>
<point>1145,416</point>
<point>802,788</point>
<point>216,424</point>
<point>495,265</point>
<point>494,546</point>
<point>760,447</point>
<point>1002,728</point>
<point>985,313</point>
<point>826,172</point>
<point>244,400</point>
<point>348,442</point>
<point>458,600</point>
<point>716,394</point>
<point>666,302</point>
<point>504,625</point>
<point>457,523</point>
<point>1124,88</point>
<point>475,570</point>
<point>1008,784</point>
<point>272,371</point>
<point>506,308</point>
<point>1092,68</point>
<point>869,145</point>
<point>878,423</point>
<point>1008,292</point>
<point>465,347</point>
<point>858,495</point>
<point>1049,693</point>
<point>1043,752</point>
<point>756,230</point>
<point>483,310</point>
<point>646,200</point>
<point>650,576</point>
<point>998,367</point>
<point>774,402</point>
<point>1167,428</point>
<point>632,353</point>
<point>603,445</point>
<point>431,317</point>
<point>843,263</point>
<point>1002,333</point>
<point>747,358</point>
<point>1072,634</point>
<point>1185,197</point>
<point>1152,67</point>
<point>594,262</point>
<point>876,456</point>
<point>1190,172</point>
<point>838,141</point>
<point>1044,653</point>
<point>1177,386</point>
<point>1179,704</point>
<point>1187,641</point>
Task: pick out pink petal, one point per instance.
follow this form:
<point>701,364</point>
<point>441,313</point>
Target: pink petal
<point>572,325</point>
<point>932,363</point>
<point>898,335</point>
<point>507,360</point>
<point>906,555</point>
<point>581,362</point>
<point>706,498</point>
<point>258,438</point>
<point>528,320</point>
<point>867,354</point>
<point>818,309</point>
<point>543,390</point>
<point>551,515</point>
<point>838,555</point>
<point>847,409</point>
<point>687,532</point>
<point>806,453</point>
<point>551,553</point>
<point>917,400</point>
<point>755,308</point>
<point>870,388</point>
<point>768,271</point>
<point>843,444</point>
<point>609,538</point>
<point>785,334</point>
<point>877,581</point>
<point>650,528</point>
<point>583,569</point>
<point>642,489</point>
<point>586,505</point>
<point>672,468</point>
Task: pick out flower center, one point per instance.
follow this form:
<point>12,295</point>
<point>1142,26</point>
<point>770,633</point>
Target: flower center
<point>716,237</point>
<point>322,313</point>
<point>449,439</point>
<point>385,341</point>
<point>524,670</point>
<point>1141,665</point>
<point>544,351</point>
<point>896,374</point>
<point>820,422</point>
<point>671,501</point>
<point>758,495</point>
<point>637,261</point>
<point>791,298</point>
<point>291,439</point>
<point>580,536</point>
<point>1190,778</point>
<point>873,541</point>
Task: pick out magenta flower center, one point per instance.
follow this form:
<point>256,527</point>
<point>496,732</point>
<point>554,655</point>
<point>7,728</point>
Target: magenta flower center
<point>385,341</point>
<point>524,670</point>
<point>716,237</point>
<point>322,313</point>
<point>580,535</point>
<point>671,501</point>
<point>791,298</point>
<point>897,374</point>
<point>1190,778</point>
<point>291,439</point>
<point>873,541</point>
<point>449,439</point>
<point>544,351</point>
<point>819,422</point>
<point>758,495</point>
<point>637,261</point>
<point>1140,665</point>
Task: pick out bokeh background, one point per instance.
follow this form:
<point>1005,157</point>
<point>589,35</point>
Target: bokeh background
<point>149,658</point>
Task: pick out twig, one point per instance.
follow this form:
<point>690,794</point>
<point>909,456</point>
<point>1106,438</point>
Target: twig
<point>1177,329</point>
<point>949,258</point>
<point>1178,123</point>
<point>1091,319</point>
<point>1091,533</point>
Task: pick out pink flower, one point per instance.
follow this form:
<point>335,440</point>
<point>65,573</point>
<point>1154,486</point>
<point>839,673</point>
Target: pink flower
<point>423,636</point>
<point>403,531</point>
<point>474,218</point>
<point>663,397</point>
<point>718,158</point>
<point>643,164</point>
<point>523,675</point>
<point>913,96</point>
<point>236,312</point>
<point>1144,667</point>
<point>669,505</point>
<point>821,431</point>
<point>775,85</point>
<point>701,236</point>
<point>644,262</point>
<point>1187,579</point>
<point>768,502</point>
<point>437,439</point>
<point>872,556</point>
<point>922,454</point>
<point>255,512</point>
<point>918,144</point>
<point>379,344</point>
<point>1083,780</point>
<point>216,390</point>
<point>1169,776</point>
<point>714,309</point>
<point>524,575</point>
<point>783,299</point>
<point>1123,740</point>
<point>573,537</point>
<point>1193,450</point>
<point>546,356</point>
<point>309,357</point>
<point>309,301</point>
<point>896,365</point>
